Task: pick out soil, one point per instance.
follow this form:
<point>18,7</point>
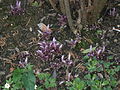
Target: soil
<point>19,33</point>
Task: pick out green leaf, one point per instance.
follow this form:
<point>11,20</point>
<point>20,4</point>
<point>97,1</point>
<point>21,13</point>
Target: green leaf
<point>88,76</point>
<point>35,4</point>
<point>29,80</point>
<point>51,82</point>
<point>68,83</point>
<point>95,88</point>
<point>78,84</point>
<point>99,31</point>
<point>117,69</point>
<point>43,76</point>
<point>94,77</point>
<point>85,57</point>
<point>17,75</point>
<point>40,88</point>
<point>110,57</point>
<point>71,88</point>
<point>107,88</point>
<point>113,83</point>
<point>88,50</point>
<point>107,64</point>
<point>105,83</point>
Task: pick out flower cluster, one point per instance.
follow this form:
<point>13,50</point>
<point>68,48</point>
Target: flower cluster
<point>67,61</point>
<point>16,10</point>
<point>45,31</point>
<point>62,20</point>
<point>47,50</point>
<point>98,53</point>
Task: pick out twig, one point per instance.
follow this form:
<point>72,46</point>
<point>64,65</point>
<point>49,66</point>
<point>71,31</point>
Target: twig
<point>28,21</point>
<point>116,29</point>
<point>5,59</point>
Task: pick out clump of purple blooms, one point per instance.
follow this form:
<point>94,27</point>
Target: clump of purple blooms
<point>17,9</point>
<point>48,49</point>
<point>50,52</point>
<point>45,34</point>
<point>62,19</point>
<point>67,61</point>
<point>98,53</point>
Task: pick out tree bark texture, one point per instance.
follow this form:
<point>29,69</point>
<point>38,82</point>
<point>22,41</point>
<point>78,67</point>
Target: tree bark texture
<point>88,13</point>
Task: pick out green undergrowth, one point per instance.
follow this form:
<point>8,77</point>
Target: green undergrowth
<point>100,75</point>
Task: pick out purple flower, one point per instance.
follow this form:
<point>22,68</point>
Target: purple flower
<point>16,10</point>
<point>62,20</point>
<point>98,52</point>
<point>67,61</point>
<point>23,56</point>
<point>45,35</point>
<point>112,12</point>
<point>47,50</point>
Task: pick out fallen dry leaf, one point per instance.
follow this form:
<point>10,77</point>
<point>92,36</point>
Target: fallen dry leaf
<point>44,28</point>
<point>12,69</point>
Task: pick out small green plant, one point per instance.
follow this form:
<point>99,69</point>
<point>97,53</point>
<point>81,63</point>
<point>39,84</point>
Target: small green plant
<point>77,84</point>
<point>48,81</point>
<point>21,78</point>
<point>101,74</point>
<point>28,78</point>
<point>92,65</point>
<point>95,83</point>
<point>7,85</point>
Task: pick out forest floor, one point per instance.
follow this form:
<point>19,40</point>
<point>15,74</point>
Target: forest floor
<point>19,33</point>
